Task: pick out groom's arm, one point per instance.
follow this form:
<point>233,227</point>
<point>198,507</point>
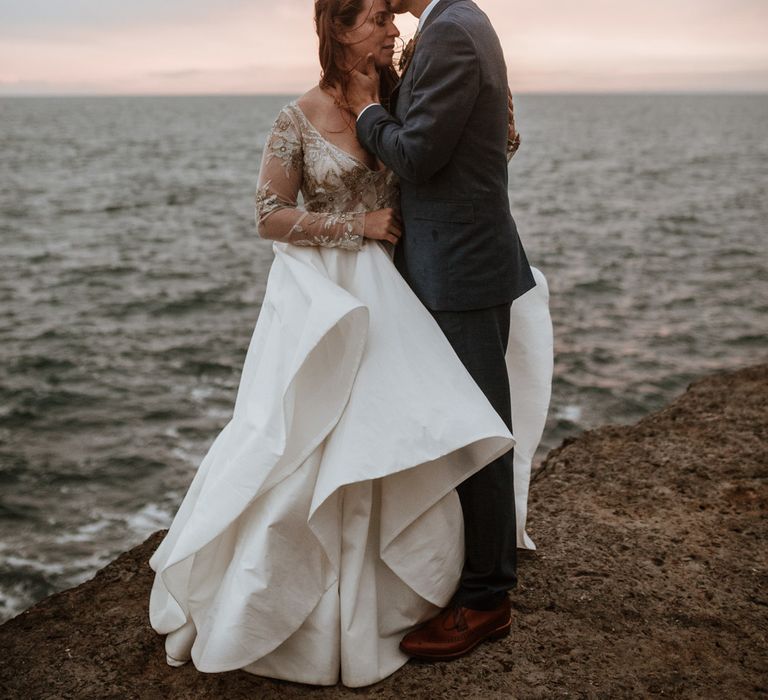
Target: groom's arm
<point>446,85</point>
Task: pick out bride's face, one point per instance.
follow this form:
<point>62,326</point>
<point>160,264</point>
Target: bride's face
<point>374,32</point>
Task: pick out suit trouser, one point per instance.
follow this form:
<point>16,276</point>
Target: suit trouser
<point>479,337</point>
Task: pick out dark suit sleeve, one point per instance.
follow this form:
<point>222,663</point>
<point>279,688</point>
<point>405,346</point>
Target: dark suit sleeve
<point>445,88</point>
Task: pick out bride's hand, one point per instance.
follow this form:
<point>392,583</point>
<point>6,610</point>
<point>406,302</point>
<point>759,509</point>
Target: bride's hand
<point>513,136</point>
<point>383,225</point>
<point>511,114</point>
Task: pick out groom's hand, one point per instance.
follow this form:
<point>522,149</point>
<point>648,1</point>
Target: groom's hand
<point>363,87</point>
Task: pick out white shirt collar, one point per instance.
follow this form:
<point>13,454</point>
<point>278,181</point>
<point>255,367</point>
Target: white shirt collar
<point>426,12</point>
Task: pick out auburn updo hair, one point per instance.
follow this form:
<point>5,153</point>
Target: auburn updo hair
<point>332,19</point>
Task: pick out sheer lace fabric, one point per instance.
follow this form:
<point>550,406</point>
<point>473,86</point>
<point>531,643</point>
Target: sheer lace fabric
<point>337,188</point>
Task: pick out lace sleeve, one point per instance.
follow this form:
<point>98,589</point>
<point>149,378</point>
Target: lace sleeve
<point>277,215</point>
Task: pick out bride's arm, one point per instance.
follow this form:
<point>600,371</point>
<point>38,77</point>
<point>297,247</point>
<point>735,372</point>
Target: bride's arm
<point>278,216</point>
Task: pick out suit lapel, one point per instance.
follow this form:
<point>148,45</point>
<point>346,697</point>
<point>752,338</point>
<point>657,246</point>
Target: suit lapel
<point>438,10</point>
<point>441,7</point>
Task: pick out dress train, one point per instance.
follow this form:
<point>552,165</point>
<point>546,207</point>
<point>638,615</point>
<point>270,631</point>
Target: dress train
<point>323,522</point>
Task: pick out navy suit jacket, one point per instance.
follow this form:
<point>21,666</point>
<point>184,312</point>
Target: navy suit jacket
<point>447,140</point>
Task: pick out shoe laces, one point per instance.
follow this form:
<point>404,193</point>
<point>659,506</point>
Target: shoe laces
<point>458,621</point>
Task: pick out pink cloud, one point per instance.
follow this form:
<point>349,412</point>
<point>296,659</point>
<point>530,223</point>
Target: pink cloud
<point>256,47</point>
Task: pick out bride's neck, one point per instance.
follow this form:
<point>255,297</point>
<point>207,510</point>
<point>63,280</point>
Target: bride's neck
<point>349,64</point>
<point>336,95</point>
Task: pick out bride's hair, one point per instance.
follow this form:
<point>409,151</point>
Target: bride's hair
<point>333,18</point>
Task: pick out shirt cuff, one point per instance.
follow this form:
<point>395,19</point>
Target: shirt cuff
<point>362,111</point>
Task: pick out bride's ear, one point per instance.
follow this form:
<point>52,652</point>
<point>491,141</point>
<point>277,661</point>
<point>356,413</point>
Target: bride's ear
<point>339,32</point>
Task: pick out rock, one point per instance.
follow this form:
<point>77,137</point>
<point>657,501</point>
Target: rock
<point>650,578</point>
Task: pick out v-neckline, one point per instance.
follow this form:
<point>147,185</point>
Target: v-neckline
<point>295,103</point>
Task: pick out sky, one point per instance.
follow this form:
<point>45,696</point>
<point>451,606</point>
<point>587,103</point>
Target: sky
<point>269,46</point>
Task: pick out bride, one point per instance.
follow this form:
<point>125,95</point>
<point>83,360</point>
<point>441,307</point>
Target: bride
<point>323,523</point>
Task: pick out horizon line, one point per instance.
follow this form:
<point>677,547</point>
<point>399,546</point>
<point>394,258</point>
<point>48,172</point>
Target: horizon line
<point>661,91</point>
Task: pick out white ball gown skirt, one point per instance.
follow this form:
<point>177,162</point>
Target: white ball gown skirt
<point>323,523</point>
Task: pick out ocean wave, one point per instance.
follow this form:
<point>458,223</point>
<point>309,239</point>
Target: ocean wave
<point>124,322</point>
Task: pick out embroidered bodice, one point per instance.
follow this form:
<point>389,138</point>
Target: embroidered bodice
<point>337,188</point>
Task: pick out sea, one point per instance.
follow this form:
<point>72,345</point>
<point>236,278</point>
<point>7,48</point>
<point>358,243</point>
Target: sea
<point>131,278</point>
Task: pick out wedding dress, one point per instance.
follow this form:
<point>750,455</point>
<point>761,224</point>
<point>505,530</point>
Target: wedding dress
<point>323,523</point>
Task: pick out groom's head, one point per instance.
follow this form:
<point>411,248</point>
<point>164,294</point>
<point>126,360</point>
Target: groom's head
<point>415,7</point>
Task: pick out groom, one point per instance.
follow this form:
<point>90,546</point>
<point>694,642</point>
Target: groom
<point>447,141</point>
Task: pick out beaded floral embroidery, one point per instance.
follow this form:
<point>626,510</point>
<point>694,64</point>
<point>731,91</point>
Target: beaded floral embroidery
<point>337,188</point>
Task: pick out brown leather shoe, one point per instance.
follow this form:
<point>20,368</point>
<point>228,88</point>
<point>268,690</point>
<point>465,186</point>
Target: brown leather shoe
<point>457,630</point>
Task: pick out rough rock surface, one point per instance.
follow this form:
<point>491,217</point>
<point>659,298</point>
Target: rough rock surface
<point>650,578</point>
